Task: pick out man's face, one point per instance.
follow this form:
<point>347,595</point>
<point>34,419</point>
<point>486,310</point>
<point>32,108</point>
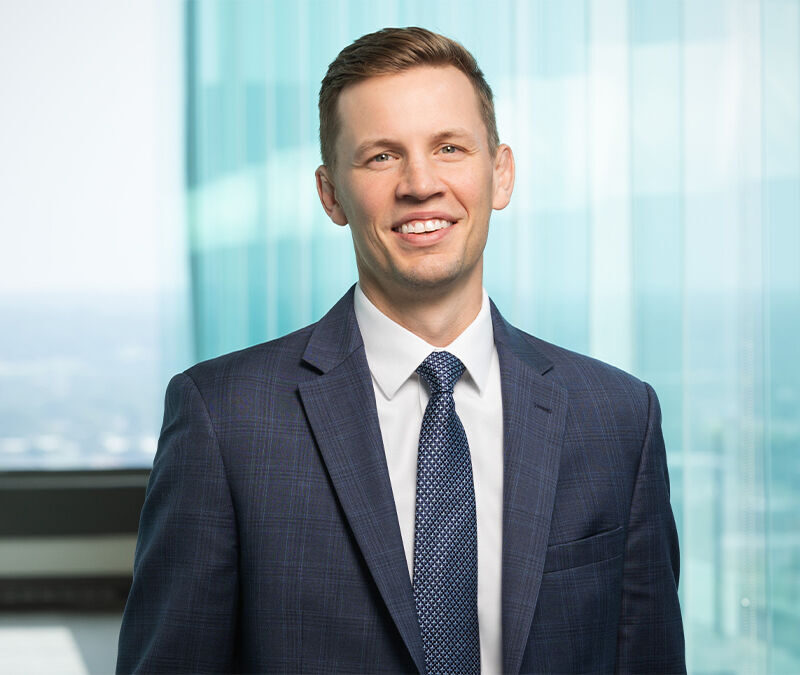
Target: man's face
<point>416,182</point>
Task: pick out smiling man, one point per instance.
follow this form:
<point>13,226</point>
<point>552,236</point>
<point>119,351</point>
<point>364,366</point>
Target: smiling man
<point>410,484</point>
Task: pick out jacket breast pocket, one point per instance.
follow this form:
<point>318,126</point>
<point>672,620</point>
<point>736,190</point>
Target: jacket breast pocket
<point>595,549</point>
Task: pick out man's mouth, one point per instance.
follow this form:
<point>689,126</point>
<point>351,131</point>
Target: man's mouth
<point>422,226</point>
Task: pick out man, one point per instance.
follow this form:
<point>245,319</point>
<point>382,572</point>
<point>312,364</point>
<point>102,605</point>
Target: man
<point>411,484</point>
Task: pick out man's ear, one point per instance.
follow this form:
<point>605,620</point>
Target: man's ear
<point>503,177</point>
<point>327,195</point>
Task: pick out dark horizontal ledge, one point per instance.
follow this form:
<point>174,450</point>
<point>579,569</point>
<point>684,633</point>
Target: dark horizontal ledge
<point>64,593</point>
<point>66,503</point>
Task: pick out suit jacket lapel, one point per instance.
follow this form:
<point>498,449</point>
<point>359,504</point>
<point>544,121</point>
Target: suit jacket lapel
<point>340,405</point>
<point>534,415</point>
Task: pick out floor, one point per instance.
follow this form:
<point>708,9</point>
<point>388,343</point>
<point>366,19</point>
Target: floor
<point>36,643</point>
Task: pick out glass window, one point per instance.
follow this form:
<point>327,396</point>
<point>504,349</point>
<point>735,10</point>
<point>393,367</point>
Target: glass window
<point>93,274</point>
<point>654,225</point>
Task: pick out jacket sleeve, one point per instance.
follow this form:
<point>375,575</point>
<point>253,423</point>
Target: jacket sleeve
<point>650,637</point>
<point>181,614</point>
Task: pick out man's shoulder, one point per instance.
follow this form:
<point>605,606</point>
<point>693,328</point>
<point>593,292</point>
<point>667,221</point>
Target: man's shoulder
<point>599,395</point>
<point>278,359</point>
<point>576,363</point>
<point>584,376</point>
<point>277,367</point>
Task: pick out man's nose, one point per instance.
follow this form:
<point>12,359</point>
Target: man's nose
<point>419,180</point>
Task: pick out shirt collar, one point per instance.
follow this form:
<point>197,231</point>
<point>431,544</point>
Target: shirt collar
<point>394,353</point>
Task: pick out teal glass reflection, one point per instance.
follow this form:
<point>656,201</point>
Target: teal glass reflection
<point>655,224</point>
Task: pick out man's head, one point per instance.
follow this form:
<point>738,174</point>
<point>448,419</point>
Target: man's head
<point>394,50</point>
<point>417,170</point>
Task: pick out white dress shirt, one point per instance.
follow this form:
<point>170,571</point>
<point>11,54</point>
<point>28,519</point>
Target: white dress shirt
<point>393,354</point>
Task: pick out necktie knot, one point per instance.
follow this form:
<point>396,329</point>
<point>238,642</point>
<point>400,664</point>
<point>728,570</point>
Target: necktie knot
<point>441,371</point>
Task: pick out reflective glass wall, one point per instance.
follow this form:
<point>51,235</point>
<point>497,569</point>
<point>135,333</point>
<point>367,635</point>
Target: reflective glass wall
<point>655,224</point>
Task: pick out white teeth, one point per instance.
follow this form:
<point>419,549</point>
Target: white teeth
<point>420,226</point>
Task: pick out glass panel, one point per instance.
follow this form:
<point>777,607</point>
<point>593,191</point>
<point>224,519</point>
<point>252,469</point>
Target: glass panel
<point>780,206</point>
<point>654,225</point>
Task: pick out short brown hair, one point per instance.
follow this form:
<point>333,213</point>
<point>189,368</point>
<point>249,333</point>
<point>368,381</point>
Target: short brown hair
<point>393,50</point>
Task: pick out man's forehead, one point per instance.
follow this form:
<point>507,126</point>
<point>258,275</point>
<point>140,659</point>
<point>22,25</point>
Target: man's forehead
<point>431,75</point>
<point>433,96</point>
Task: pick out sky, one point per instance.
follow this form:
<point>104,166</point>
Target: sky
<point>90,138</point>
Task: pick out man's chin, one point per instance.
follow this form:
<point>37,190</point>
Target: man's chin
<point>434,284</point>
<point>420,282</point>
<point>432,280</point>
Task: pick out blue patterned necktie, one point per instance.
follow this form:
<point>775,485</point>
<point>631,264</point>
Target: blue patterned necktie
<point>445,534</point>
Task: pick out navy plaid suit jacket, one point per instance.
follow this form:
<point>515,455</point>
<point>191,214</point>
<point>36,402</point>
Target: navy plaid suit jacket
<point>269,540</point>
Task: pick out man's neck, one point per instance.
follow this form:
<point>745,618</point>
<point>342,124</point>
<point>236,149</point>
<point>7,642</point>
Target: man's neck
<point>436,317</point>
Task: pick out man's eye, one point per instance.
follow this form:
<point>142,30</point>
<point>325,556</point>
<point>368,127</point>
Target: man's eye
<point>449,149</point>
<point>383,157</point>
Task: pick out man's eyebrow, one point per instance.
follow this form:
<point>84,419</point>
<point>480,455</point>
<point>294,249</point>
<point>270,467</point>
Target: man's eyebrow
<point>456,132</point>
<point>374,143</point>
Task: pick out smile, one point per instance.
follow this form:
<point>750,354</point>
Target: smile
<point>422,226</point>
